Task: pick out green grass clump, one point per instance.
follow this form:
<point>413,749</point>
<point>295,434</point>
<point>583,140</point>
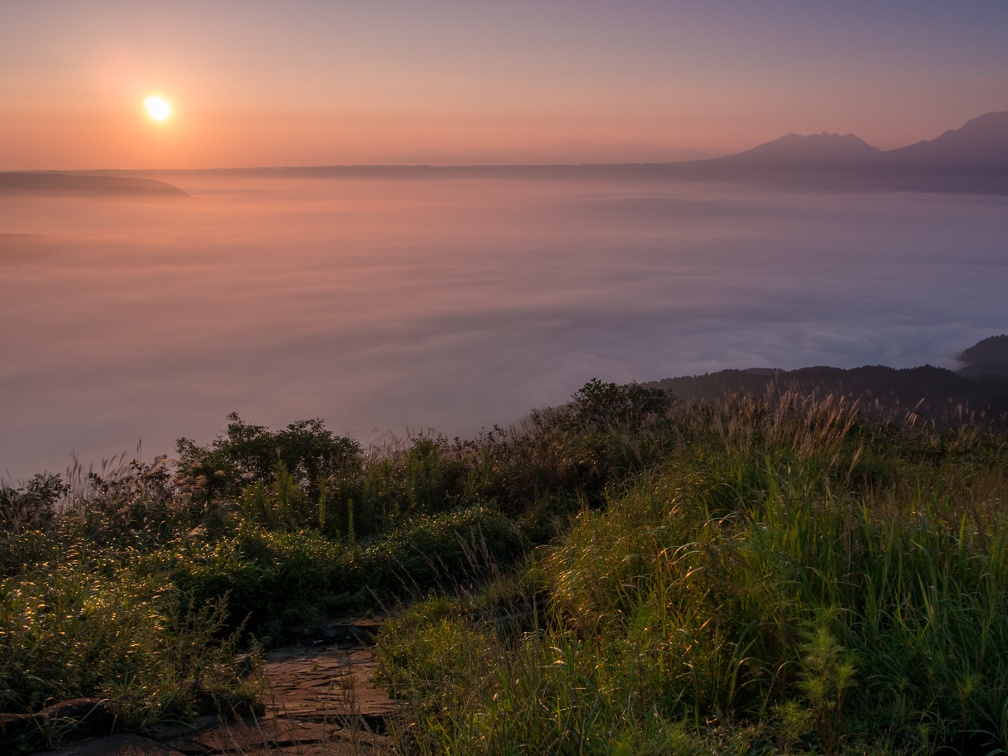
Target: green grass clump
<point>752,590</point>
<point>112,632</point>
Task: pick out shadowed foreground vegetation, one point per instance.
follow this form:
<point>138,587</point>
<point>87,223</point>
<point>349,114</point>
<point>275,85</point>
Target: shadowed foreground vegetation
<point>626,574</point>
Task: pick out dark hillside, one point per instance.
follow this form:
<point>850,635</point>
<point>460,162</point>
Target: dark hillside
<point>986,358</point>
<point>71,184</point>
<point>932,393</point>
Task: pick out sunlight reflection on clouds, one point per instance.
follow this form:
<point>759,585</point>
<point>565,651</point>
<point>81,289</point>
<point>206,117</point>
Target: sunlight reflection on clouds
<point>453,303</point>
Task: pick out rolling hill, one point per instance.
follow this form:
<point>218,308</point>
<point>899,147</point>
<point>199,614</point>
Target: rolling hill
<point>84,185</point>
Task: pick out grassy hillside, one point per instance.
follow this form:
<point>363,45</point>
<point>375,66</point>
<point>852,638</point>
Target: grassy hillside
<point>628,573</point>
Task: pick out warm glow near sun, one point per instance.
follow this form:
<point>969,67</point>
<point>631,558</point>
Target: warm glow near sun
<point>158,107</point>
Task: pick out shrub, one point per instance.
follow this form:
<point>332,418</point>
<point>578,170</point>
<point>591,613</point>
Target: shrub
<point>250,453</point>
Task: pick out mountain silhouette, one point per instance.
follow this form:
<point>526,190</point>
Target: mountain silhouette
<point>977,390</point>
<point>824,148</point>
<point>926,392</point>
<point>982,141</point>
<point>985,358</point>
<point>972,160</point>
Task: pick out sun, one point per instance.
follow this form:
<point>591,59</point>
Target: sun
<point>157,107</point>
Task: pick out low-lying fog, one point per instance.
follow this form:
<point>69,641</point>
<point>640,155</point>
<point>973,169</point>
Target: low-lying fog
<point>387,304</point>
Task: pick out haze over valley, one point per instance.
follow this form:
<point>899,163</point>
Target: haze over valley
<point>389,300</point>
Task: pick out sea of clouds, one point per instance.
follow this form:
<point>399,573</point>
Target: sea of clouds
<point>410,302</point>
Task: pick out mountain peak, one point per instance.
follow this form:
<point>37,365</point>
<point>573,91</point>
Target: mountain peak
<point>972,159</point>
<point>980,141</point>
<point>824,147</point>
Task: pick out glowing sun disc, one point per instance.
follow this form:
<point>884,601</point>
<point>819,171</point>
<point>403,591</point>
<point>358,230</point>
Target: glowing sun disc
<point>158,108</point>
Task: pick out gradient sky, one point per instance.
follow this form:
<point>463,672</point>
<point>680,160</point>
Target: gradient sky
<point>307,83</point>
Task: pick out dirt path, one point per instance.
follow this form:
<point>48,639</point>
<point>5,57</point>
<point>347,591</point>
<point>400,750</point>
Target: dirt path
<point>319,699</point>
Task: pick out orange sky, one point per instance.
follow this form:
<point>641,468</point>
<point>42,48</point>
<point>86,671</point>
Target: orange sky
<point>309,83</point>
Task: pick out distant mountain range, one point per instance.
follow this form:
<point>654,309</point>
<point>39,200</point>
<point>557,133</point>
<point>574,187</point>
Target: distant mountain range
<point>971,159</point>
<point>570,151</point>
<point>982,142</point>
<point>932,393</point>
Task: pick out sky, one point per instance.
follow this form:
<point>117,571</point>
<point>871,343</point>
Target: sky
<point>260,83</point>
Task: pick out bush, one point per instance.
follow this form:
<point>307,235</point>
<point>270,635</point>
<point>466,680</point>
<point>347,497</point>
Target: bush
<point>250,453</point>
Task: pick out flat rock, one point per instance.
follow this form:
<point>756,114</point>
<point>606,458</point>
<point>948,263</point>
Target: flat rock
<point>318,700</point>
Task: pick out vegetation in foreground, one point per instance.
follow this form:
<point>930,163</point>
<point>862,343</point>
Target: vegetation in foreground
<point>626,574</point>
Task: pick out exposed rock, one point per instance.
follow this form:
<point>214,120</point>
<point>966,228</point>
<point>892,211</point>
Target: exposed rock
<point>319,700</point>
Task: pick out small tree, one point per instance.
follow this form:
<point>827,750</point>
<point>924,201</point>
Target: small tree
<point>250,453</point>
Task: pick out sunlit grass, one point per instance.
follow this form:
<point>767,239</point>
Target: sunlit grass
<point>752,591</point>
<point>625,574</point>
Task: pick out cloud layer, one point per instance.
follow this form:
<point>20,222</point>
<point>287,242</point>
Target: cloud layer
<point>454,303</point>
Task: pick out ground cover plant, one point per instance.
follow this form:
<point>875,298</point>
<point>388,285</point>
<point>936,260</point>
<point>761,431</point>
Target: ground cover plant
<point>789,576</point>
<point>138,584</point>
<point>625,573</point>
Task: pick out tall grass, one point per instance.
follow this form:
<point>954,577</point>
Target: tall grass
<point>756,589</point>
<point>624,574</point>
<point>135,585</point>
